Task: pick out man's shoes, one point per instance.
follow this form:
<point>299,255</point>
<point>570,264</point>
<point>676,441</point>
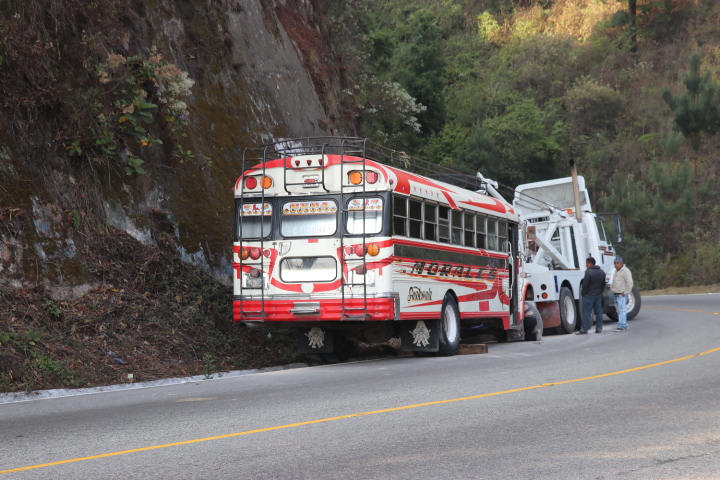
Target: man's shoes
<point>620,329</point>
<point>580,333</point>
<point>598,331</point>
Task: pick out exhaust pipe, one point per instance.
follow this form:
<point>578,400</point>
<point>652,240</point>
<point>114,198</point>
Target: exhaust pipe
<point>576,190</point>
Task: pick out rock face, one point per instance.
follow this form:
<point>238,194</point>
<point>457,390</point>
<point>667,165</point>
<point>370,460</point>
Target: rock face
<point>263,73</point>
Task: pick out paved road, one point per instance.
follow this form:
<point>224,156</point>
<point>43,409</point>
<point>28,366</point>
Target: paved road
<point>636,405</point>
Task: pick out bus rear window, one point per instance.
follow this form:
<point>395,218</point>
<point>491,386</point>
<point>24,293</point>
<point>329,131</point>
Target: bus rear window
<point>255,222</point>
<point>373,213</point>
<point>309,219</point>
<point>308,269</point>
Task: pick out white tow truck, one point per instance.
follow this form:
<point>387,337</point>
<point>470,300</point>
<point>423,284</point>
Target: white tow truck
<point>558,231</point>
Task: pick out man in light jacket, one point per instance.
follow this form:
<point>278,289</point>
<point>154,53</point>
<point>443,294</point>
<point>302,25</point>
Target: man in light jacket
<point>621,286</point>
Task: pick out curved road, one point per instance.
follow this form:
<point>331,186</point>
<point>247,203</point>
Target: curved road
<point>640,404</point>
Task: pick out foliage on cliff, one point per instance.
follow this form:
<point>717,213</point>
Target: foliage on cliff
<point>88,106</point>
<point>148,314</point>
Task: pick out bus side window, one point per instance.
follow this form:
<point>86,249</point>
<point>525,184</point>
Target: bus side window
<point>399,216</point>
<point>430,222</point>
<point>443,224</point>
<point>457,227</point>
<point>502,234</point>
<point>469,230</point>
<point>492,234</point>
<point>480,232</point>
<point>415,219</point>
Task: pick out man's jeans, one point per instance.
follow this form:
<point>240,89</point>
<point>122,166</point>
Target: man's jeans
<point>590,303</point>
<point>621,308</point>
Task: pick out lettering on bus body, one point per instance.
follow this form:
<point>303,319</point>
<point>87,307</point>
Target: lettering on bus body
<point>417,295</point>
<point>431,269</point>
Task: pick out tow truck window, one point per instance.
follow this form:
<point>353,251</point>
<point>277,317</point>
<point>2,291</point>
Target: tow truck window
<point>254,221</point>
<point>600,229</point>
<point>309,219</point>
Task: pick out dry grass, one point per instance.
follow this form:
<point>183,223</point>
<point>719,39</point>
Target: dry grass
<point>682,290</point>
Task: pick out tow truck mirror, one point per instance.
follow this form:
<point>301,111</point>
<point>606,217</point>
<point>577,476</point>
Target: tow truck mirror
<point>618,228</point>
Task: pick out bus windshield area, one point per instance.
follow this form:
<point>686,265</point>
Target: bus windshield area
<point>283,218</point>
<point>255,221</point>
<point>309,219</point>
<point>367,220</point>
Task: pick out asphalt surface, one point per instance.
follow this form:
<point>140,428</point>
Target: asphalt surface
<point>639,405</point>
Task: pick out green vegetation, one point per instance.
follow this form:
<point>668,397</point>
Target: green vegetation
<point>152,316</point>
<point>515,89</point>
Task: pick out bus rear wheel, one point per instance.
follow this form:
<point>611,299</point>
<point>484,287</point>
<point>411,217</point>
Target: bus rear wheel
<point>449,327</point>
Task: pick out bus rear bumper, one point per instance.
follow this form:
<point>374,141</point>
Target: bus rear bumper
<point>321,310</point>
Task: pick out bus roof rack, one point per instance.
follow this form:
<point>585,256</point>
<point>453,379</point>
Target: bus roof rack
<point>362,148</point>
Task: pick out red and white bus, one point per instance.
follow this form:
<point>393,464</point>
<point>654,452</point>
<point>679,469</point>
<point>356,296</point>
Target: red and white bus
<point>333,238</point>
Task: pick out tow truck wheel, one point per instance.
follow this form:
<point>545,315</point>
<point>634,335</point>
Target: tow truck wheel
<point>568,312</point>
<point>633,306</point>
<point>633,303</point>
<point>449,327</point>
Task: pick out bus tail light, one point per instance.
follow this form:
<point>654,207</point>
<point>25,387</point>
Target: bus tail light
<point>252,183</point>
<point>254,273</point>
<point>355,177</point>
<point>254,253</point>
<point>371,177</point>
<point>349,250</point>
<point>373,249</point>
<point>244,253</point>
<point>360,250</point>
<point>361,270</point>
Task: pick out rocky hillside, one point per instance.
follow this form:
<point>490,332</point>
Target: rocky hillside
<point>122,125</point>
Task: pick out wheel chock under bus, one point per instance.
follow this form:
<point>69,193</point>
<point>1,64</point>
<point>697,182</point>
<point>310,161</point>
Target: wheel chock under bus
<point>472,349</point>
<point>315,340</point>
<point>420,335</point>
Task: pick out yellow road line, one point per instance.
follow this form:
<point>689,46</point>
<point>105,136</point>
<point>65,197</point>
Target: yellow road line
<point>354,415</point>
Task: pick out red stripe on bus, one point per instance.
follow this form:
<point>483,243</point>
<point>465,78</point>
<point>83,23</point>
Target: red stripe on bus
<point>435,246</point>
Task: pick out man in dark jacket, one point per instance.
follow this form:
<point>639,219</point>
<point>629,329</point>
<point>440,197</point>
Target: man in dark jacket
<point>592,290</point>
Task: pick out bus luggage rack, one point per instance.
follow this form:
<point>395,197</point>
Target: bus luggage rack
<point>360,149</point>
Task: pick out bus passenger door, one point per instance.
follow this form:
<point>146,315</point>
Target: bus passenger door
<point>513,287</point>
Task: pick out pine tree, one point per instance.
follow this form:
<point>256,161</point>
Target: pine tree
<point>697,114</point>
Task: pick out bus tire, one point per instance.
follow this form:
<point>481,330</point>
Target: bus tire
<point>568,312</point>
<point>449,327</point>
<point>535,333</point>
